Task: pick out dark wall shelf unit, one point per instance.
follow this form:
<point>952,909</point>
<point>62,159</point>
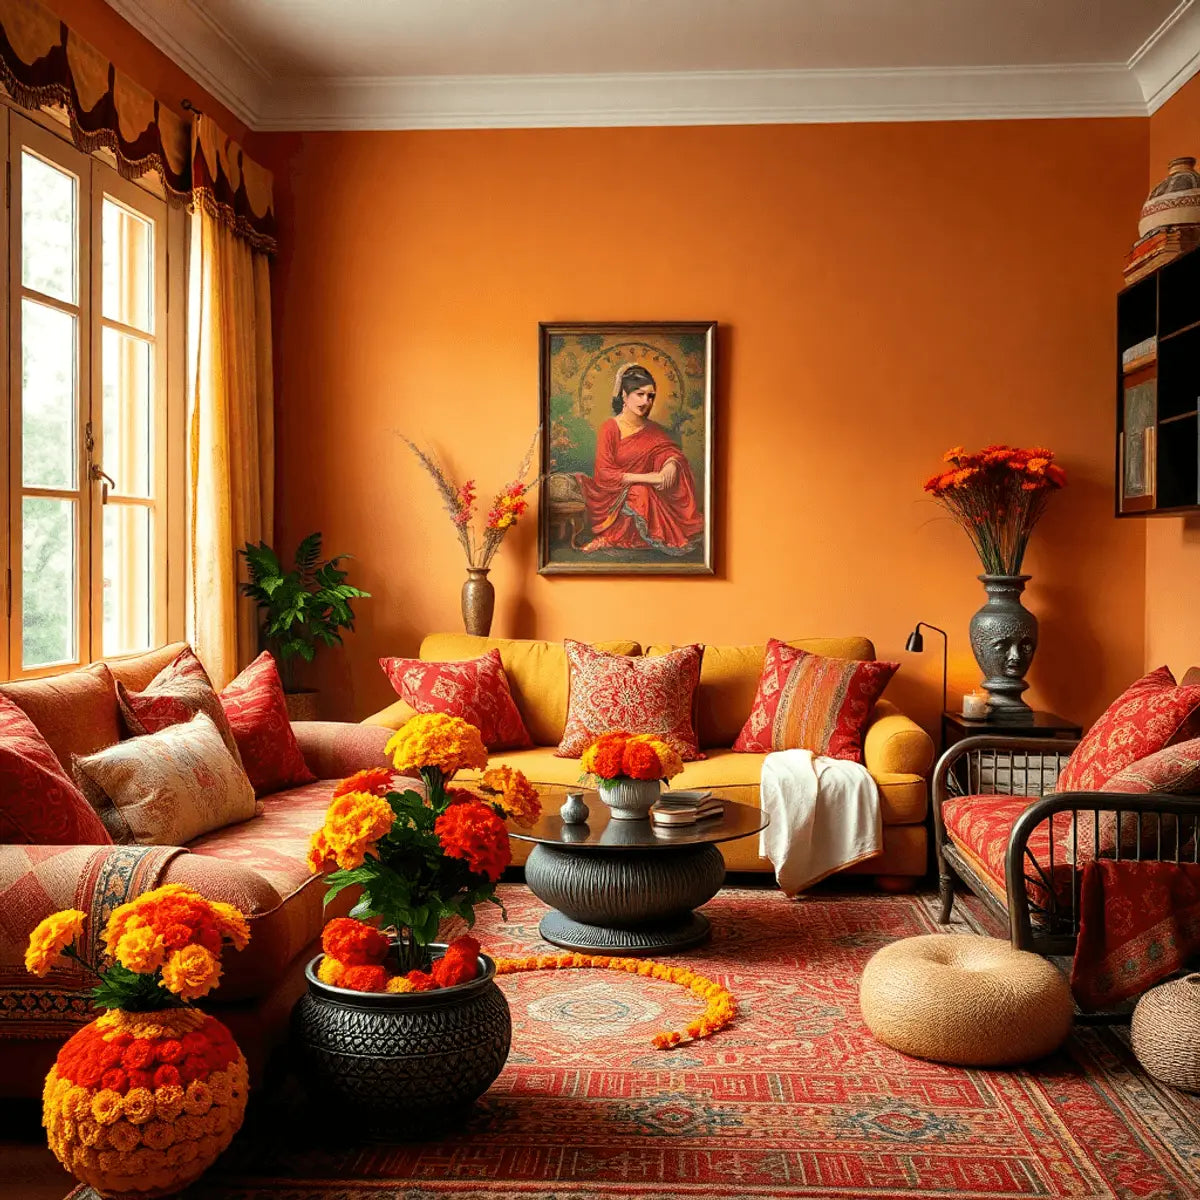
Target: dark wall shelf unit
<point>1158,392</point>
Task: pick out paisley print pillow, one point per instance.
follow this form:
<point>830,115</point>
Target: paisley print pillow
<point>167,788</point>
<point>475,689</point>
<point>639,695</point>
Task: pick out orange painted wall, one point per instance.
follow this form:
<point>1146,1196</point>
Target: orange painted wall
<point>883,291</point>
<point>1173,543</point>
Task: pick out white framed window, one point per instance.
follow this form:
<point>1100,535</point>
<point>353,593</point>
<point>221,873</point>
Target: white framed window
<point>95,464</point>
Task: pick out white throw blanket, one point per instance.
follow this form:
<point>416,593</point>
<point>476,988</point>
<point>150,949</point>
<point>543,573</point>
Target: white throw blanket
<point>824,816</point>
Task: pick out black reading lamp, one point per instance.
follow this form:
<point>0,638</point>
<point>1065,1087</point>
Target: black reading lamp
<point>916,644</point>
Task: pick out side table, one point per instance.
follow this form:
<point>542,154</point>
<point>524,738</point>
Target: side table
<point>955,727</point>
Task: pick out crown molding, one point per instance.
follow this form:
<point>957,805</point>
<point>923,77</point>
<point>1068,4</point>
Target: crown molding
<point>1169,57</point>
<point>196,42</point>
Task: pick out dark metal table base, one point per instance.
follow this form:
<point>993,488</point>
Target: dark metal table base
<point>625,901</point>
<point>666,938</point>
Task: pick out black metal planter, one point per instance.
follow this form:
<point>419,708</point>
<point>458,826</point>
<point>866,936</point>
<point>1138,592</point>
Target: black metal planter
<point>407,1065</point>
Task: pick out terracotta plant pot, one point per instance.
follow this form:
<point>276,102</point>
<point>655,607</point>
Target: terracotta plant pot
<point>403,1065</point>
<point>116,1118</point>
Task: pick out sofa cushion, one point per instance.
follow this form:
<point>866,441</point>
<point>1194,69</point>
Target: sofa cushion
<point>475,689</point>
<point>166,788</point>
<point>76,712</point>
<point>537,672</point>
<point>136,670</point>
<point>39,805</point>
<point>729,678</point>
<point>635,695</point>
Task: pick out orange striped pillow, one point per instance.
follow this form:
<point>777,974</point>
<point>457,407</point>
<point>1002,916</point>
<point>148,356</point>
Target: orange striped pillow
<point>809,702</point>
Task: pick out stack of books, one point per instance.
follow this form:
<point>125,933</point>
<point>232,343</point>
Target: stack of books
<point>1159,247</point>
<point>685,808</point>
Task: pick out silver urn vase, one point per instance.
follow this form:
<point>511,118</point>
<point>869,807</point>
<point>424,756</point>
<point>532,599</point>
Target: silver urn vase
<point>630,799</point>
<point>1004,635</point>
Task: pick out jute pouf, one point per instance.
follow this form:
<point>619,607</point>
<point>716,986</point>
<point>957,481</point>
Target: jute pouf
<point>1165,1032</point>
<point>971,1001</point>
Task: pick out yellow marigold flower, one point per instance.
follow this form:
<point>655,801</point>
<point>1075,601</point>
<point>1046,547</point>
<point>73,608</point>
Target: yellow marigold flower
<point>221,1088</point>
<point>77,1102</point>
<point>513,794</point>
<point>353,824</point>
<point>197,1098</point>
<point>398,984</point>
<point>111,1162</point>
<point>320,855</point>
<point>140,950</point>
<point>138,1104</point>
<point>106,1106</point>
<point>168,1102</point>
<point>49,939</point>
<point>123,1136</point>
<point>436,740</point>
<point>331,971</point>
<point>158,1135</point>
<point>231,921</point>
<point>189,1129</point>
<point>191,972</point>
<point>88,1131</point>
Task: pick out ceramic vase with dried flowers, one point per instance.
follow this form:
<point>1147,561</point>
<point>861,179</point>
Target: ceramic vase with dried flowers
<point>459,500</point>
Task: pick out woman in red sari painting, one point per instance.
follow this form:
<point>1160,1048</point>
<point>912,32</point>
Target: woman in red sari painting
<point>641,494</point>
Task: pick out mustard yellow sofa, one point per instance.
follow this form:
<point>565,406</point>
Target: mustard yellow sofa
<point>897,751</point>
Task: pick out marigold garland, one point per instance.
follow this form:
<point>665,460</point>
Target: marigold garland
<point>720,1008</point>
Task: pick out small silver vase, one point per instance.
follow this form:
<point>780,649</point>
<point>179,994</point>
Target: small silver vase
<point>630,799</point>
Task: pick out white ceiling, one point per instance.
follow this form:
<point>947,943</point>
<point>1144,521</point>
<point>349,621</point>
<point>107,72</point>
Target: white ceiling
<point>287,64</point>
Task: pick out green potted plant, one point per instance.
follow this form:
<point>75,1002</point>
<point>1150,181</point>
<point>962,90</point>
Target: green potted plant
<point>301,610</point>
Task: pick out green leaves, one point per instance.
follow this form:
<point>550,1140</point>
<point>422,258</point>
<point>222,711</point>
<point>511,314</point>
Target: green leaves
<point>303,608</point>
<point>121,988</point>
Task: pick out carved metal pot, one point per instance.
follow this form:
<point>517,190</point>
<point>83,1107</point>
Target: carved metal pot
<point>404,1065</point>
<point>478,601</point>
<point>629,799</point>
<point>1004,636</point>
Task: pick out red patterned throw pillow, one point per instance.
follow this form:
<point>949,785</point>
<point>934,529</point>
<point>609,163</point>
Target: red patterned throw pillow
<point>638,695</point>
<point>175,695</point>
<point>1153,713</point>
<point>39,805</point>
<point>1173,770</point>
<point>475,689</point>
<point>809,702</point>
<point>257,712</point>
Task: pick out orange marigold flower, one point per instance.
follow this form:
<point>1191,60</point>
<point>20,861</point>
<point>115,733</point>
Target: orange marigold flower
<point>513,794</point>
<point>191,972</point>
<point>354,943</point>
<point>474,832</point>
<point>649,757</point>
<point>50,938</point>
<point>370,977</point>
<point>459,964</point>
<point>375,781</point>
<point>436,741</point>
<point>353,824</point>
<point>420,981</point>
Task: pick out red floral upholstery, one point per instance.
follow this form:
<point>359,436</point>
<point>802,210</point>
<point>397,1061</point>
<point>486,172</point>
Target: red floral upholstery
<point>810,702</point>
<point>638,695</point>
<point>39,805</point>
<point>980,826</point>
<point>475,689</point>
<point>257,712</point>
<point>1150,714</point>
<point>1173,769</point>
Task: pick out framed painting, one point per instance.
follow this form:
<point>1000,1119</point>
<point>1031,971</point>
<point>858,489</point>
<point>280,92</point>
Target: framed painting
<point>627,448</point>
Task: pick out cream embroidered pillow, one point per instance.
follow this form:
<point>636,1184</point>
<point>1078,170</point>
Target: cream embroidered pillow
<point>166,788</point>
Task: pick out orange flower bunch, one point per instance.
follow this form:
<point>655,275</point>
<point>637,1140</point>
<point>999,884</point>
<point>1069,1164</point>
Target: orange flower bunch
<point>143,1102</point>
<point>630,755</point>
<point>472,831</point>
<point>998,494</point>
<point>354,823</point>
<point>375,781</point>
<point>509,790</point>
<point>356,958</point>
<point>720,1007</point>
<point>436,742</point>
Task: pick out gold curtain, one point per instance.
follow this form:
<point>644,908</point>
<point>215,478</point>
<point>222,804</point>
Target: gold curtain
<point>231,450</point>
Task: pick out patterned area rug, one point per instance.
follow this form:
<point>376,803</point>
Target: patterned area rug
<point>795,1099</point>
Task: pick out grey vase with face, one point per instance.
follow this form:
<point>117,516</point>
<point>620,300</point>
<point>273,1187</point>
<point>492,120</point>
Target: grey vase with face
<point>1004,636</point>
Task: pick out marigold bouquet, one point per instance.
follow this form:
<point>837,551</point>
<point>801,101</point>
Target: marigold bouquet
<point>421,858</point>
<point>166,945</point>
<point>998,494</point>
<point>620,755</point>
<point>508,505</point>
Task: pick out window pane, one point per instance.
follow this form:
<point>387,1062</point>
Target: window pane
<point>128,267</point>
<point>48,587</point>
<point>127,412</point>
<point>128,582</point>
<point>49,224</point>
<point>49,449</point>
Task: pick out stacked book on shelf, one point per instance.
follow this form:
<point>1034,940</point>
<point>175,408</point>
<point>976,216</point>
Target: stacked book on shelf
<point>685,808</point>
<point>1141,355</point>
<point>1159,247</point>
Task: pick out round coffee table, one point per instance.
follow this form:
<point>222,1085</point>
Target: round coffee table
<point>629,886</point>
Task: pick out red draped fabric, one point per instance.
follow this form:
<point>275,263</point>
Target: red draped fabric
<point>637,516</point>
